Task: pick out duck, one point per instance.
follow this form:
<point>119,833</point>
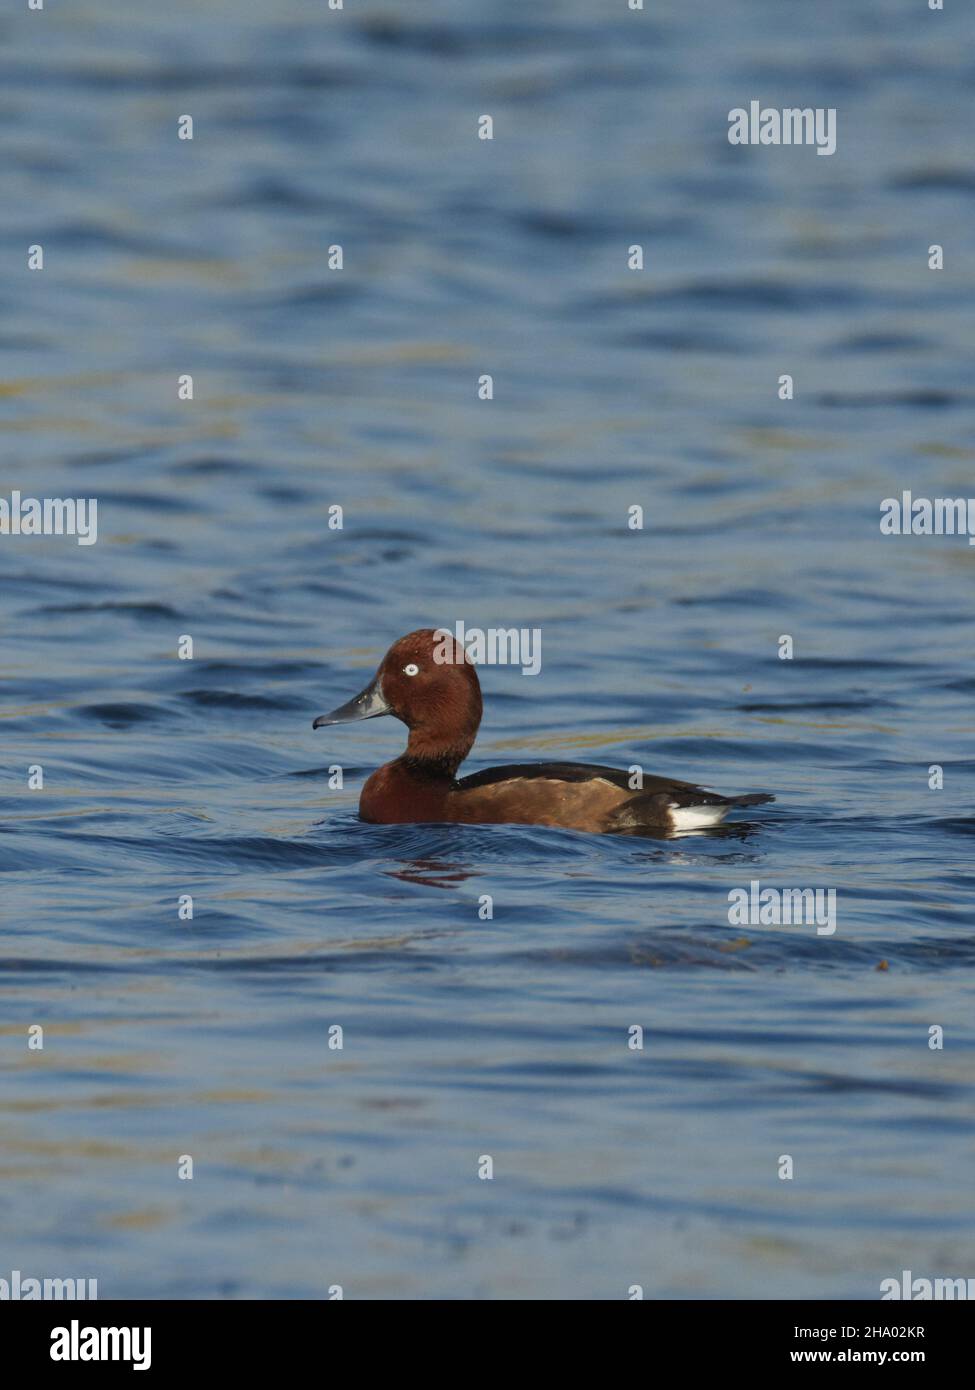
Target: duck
<point>428,682</point>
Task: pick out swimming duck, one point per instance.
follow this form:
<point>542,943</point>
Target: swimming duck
<point>427,680</point>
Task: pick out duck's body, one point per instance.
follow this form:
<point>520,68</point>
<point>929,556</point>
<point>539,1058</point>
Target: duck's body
<point>575,796</point>
<point>427,681</point>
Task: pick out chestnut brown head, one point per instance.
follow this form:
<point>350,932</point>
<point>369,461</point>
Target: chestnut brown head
<point>427,681</point>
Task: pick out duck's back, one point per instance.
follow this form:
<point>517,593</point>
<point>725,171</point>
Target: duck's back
<point>587,796</point>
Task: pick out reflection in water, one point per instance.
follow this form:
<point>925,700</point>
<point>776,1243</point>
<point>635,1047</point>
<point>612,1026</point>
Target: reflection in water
<point>432,872</point>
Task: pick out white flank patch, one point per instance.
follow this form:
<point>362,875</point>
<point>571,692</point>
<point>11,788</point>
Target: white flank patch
<point>695,817</point>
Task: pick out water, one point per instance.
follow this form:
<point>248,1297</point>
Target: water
<point>313,388</point>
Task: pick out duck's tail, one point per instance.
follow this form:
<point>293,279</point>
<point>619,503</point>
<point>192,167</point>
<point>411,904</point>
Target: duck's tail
<point>691,814</point>
<point>750,799</point>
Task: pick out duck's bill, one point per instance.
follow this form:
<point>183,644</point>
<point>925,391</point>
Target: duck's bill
<point>367,705</point>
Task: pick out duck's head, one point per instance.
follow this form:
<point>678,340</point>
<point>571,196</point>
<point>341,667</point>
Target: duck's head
<point>427,680</point>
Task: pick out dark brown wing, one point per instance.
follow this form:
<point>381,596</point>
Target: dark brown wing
<point>683,793</point>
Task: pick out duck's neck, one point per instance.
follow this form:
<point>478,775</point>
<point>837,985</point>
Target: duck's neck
<point>443,736</point>
<point>442,733</point>
<point>436,755</point>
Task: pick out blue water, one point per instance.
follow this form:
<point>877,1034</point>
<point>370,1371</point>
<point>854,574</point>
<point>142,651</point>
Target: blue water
<point>464,1037</point>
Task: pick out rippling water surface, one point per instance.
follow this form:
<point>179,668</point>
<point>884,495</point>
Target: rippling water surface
<point>313,388</point>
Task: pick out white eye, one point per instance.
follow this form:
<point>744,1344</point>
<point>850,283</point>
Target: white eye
<point>411,670</point>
